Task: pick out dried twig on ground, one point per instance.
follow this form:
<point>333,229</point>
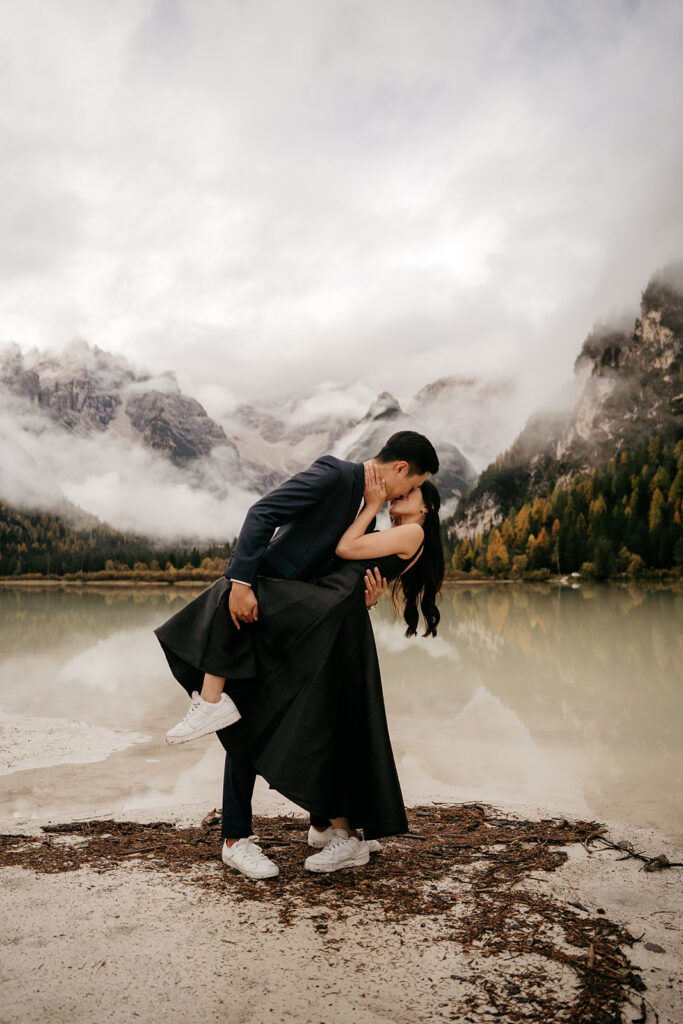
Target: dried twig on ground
<point>649,863</point>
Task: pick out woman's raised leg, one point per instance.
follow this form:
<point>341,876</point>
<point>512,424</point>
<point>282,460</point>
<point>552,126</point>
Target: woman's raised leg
<point>209,711</point>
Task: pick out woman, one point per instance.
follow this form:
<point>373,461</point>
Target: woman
<point>305,676</point>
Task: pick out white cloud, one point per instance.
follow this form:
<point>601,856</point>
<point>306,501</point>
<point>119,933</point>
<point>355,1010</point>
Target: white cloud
<point>125,485</point>
<point>332,399</point>
<point>383,193</point>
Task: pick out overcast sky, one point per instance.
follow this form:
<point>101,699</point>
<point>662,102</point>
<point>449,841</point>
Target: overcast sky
<point>267,196</point>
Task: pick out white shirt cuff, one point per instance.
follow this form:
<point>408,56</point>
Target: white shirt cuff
<point>240,581</point>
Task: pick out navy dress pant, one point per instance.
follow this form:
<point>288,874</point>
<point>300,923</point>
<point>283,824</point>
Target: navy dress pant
<point>239,778</point>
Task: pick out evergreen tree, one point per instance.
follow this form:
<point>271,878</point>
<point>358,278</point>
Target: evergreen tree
<point>625,516</point>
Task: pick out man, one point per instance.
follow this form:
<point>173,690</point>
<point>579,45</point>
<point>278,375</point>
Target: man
<point>310,512</point>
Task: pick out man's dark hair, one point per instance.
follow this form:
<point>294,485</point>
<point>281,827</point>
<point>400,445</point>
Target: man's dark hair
<point>413,448</point>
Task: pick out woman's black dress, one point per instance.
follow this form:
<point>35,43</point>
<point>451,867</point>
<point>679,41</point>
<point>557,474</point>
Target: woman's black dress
<point>306,680</point>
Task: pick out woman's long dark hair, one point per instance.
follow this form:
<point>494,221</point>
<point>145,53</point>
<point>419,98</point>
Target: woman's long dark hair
<point>423,580</point>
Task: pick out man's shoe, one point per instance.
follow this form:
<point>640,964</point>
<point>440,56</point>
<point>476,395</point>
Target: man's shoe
<point>204,717</point>
<point>342,851</point>
<point>320,839</point>
<point>247,856</point>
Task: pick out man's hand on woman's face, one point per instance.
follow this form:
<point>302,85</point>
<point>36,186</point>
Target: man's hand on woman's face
<point>375,489</point>
<point>375,586</point>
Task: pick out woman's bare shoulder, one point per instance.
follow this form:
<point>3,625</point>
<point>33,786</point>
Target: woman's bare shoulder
<point>410,536</point>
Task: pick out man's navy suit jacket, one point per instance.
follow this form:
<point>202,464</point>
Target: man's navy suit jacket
<point>310,512</point>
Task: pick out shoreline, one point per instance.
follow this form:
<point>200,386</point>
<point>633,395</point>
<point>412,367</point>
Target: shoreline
<point>357,944</point>
<point>553,581</point>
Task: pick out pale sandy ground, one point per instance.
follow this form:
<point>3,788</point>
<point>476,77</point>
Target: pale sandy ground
<point>28,742</point>
<point>129,945</point>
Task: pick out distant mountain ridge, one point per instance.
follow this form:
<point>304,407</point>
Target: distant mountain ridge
<point>89,394</point>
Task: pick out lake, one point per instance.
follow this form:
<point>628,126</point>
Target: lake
<point>567,699</point>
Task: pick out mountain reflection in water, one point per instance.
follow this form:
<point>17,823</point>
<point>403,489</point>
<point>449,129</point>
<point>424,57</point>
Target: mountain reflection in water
<point>569,699</point>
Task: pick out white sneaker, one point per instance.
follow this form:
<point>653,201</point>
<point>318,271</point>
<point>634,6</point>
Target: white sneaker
<point>204,717</point>
<point>319,839</point>
<point>247,856</point>
<point>341,851</point>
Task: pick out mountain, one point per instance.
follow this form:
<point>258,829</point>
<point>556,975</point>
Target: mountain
<point>85,428</point>
<point>86,389</point>
<point>385,417</point>
<point>478,414</point>
<point>279,442</point>
<point>627,386</point>
<point>473,415</point>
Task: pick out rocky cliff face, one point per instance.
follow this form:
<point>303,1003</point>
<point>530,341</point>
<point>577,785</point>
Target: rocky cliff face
<point>88,390</point>
<point>627,385</point>
<point>86,426</point>
<point>632,384</point>
<point>82,392</point>
<point>174,424</point>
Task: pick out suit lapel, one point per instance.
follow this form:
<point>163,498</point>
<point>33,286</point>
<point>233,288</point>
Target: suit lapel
<point>356,492</point>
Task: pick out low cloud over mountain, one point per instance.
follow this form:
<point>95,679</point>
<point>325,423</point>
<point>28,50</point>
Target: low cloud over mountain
<point>88,427</point>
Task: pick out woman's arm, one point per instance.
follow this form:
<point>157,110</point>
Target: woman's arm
<point>355,543</point>
<point>399,540</point>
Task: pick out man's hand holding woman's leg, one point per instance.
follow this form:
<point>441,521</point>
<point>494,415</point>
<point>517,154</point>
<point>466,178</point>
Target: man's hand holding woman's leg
<point>242,603</point>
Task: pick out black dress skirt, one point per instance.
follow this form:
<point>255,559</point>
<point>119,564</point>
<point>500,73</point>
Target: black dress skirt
<point>306,680</point>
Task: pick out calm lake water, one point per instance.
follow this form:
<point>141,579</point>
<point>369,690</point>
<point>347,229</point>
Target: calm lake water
<point>567,699</point>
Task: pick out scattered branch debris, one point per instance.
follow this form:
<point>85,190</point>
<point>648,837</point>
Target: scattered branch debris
<point>462,880</point>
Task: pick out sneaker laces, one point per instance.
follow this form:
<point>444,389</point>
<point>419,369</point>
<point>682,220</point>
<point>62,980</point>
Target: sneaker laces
<point>334,844</point>
<point>196,702</point>
<point>250,850</point>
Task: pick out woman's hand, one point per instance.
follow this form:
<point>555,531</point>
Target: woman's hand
<point>375,585</point>
<point>375,489</point>
<point>375,494</point>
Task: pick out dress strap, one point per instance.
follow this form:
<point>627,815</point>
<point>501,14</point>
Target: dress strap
<point>413,558</point>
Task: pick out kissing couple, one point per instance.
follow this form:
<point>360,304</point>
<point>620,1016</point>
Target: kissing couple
<point>278,655</point>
